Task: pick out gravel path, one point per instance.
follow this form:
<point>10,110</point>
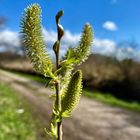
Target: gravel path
<point>91,120</point>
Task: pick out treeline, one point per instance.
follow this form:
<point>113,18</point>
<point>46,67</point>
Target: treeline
<point>121,78</point>
<point>106,74</point>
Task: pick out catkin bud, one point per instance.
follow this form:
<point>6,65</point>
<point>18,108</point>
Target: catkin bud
<point>59,15</point>
<point>71,98</point>
<point>60,29</point>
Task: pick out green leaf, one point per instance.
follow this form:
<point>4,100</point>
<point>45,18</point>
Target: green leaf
<point>52,133</point>
<point>65,114</point>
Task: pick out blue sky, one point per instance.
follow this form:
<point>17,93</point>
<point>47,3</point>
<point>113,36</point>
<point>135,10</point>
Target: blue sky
<point>113,20</point>
<point>125,14</point>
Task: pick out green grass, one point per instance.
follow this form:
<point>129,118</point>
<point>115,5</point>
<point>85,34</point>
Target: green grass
<point>36,78</point>
<point>111,100</point>
<point>16,120</point>
<point>105,98</point>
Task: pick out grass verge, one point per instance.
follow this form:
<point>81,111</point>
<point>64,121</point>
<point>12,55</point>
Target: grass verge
<point>16,119</point>
<point>36,78</point>
<point>111,100</point>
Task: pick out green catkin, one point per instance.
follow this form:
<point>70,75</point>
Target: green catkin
<point>65,79</point>
<point>64,73</point>
<point>80,54</point>
<point>33,40</point>
<point>72,96</point>
<point>84,48</point>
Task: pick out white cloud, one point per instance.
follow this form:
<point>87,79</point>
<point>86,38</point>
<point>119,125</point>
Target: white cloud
<point>104,46</point>
<point>10,40</point>
<point>110,48</point>
<point>110,25</point>
<point>50,36</point>
<point>123,53</point>
<point>9,37</point>
<point>70,38</point>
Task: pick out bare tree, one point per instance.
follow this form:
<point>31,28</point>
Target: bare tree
<point>2,21</point>
<point>129,43</point>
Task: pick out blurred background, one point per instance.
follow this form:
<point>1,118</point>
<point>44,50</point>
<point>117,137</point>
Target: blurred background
<point>110,106</point>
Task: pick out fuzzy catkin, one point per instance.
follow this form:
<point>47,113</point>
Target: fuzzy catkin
<point>72,96</point>
<point>33,40</point>
<point>65,76</point>
<point>80,53</point>
<point>83,50</point>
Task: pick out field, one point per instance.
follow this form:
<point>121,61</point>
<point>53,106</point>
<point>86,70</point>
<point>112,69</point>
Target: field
<point>112,100</point>
<point>106,118</point>
<point>17,121</point>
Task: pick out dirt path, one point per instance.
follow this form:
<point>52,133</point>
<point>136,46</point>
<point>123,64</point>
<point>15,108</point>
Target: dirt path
<point>92,120</point>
